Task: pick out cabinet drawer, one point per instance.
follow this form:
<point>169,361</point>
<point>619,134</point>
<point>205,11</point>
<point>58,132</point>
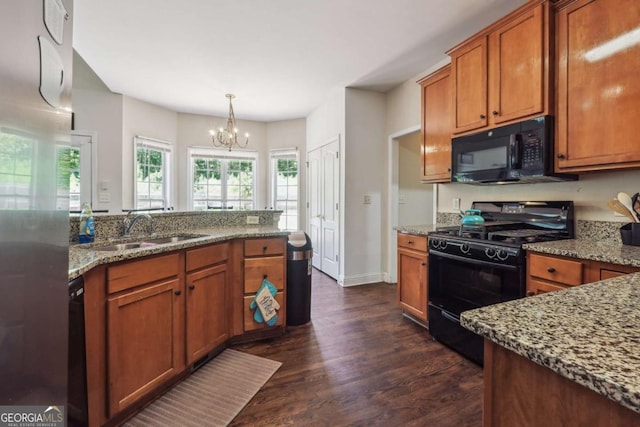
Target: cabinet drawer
<point>256,268</point>
<point>557,270</point>
<point>135,273</point>
<point>411,241</point>
<point>208,255</point>
<point>252,325</point>
<point>261,247</point>
<point>537,287</point>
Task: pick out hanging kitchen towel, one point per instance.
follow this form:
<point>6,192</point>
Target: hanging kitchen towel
<point>265,305</point>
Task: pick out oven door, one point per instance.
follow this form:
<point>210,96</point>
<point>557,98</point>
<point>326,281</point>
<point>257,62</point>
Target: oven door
<point>458,284</point>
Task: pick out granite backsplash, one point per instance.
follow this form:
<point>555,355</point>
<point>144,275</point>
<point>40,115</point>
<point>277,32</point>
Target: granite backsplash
<point>600,231</point>
<point>112,226</point>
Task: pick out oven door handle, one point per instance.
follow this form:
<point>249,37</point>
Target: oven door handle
<point>473,261</point>
<point>449,317</point>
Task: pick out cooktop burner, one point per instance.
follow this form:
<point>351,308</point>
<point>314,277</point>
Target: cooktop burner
<point>515,223</point>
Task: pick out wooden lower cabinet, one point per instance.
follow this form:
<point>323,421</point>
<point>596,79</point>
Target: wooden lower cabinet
<point>145,341</point>
<point>548,273</point>
<point>206,311</point>
<point>413,275</point>
<point>147,320</point>
<point>519,392</point>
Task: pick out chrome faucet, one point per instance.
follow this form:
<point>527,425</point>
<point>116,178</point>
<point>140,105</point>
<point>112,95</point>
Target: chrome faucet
<point>132,218</point>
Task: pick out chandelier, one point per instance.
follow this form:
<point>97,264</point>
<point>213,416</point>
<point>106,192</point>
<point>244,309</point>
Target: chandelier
<point>228,137</point>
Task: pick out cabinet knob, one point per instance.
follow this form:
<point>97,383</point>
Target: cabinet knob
<point>423,264</point>
<point>530,293</point>
<point>551,270</point>
<point>448,169</point>
<point>264,248</point>
<point>410,242</point>
<point>191,287</point>
<point>177,292</point>
<point>560,156</point>
<point>494,112</point>
<point>482,116</point>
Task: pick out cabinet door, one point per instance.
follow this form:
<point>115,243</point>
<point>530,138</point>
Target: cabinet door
<point>598,85</point>
<point>249,324</point>
<point>412,282</point>
<point>517,64</point>
<point>436,126</point>
<point>144,345</point>
<point>206,311</point>
<point>469,74</point>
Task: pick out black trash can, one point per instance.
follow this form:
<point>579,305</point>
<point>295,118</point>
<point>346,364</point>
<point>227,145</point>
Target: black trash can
<point>298,279</point>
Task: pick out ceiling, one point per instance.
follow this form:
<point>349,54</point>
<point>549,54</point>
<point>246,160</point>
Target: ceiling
<point>279,57</point>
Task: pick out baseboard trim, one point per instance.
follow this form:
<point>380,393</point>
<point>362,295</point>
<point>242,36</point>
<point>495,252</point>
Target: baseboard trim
<point>361,279</point>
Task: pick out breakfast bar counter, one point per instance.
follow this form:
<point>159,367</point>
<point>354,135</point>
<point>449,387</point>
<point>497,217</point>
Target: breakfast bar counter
<point>587,336</point>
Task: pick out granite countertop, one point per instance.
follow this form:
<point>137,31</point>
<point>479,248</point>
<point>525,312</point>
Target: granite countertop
<point>83,258</point>
<point>589,334</point>
<point>419,230</point>
<point>591,250</point>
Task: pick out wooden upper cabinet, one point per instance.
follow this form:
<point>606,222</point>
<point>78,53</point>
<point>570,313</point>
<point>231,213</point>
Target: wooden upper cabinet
<point>469,73</point>
<point>517,67</point>
<point>598,85</point>
<point>501,75</point>
<point>436,126</point>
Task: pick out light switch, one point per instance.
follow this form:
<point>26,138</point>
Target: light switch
<point>367,199</point>
<point>401,199</point>
<point>104,185</point>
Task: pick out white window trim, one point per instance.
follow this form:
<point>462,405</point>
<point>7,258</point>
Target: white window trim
<point>273,156</point>
<point>199,151</point>
<point>167,179</point>
<point>92,165</point>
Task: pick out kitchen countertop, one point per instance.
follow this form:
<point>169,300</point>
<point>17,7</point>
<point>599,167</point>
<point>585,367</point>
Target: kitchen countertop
<point>419,230</point>
<point>591,250</point>
<point>589,334</point>
<point>82,258</point>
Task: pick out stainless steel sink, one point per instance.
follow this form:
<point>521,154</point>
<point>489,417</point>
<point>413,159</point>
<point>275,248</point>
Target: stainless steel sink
<point>119,246</point>
<point>144,243</point>
<point>172,239</point>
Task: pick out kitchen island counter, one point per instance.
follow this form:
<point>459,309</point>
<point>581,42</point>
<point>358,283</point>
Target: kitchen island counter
<point>588,334</point>
<point>83,258</point>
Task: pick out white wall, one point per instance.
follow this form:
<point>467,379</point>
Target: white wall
<point>365,166</point>
<point>590,194</point>
<point>415,204</point>
<point>97,109</point>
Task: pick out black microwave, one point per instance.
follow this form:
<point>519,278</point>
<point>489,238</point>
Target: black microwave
<point>517,153</point>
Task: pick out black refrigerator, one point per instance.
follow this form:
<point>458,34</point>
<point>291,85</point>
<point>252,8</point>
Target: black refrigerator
<point>35,123</point>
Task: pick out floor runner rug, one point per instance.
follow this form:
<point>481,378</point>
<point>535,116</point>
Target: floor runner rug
<point>211,396</point>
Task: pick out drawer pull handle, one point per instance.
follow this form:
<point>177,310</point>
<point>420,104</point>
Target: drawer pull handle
<point>264,248</point>
<point>192,287</point>
<point>423,264</point>
<point>177,292</point>
<point>410,242</point>
<point>551,270</point>
<point>264,277</point>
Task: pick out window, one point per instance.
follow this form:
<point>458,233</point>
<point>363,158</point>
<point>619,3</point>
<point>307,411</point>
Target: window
<point>284,178</point>
<point>222,180</point>
<point>75,183</point>
<point>152,160</point>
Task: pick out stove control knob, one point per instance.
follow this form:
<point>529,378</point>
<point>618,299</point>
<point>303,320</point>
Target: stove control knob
<point>490,253</point>
<point>502,254</point>
<point>465,248</point>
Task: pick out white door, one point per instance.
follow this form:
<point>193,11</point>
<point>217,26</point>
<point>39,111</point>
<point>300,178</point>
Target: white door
<point>324,208</point>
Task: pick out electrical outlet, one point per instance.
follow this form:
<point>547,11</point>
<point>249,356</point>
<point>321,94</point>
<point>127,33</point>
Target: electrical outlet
<point>252,219</point>
<point>456,203</point>
<point>367,199</point>
<point>104,197</point>
<point>401,199</point>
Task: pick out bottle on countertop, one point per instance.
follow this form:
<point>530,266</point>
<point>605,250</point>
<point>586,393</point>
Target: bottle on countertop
<point>86,233</point>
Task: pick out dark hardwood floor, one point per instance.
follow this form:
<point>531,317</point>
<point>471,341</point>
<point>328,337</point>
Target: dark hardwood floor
<point>360,362</point>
